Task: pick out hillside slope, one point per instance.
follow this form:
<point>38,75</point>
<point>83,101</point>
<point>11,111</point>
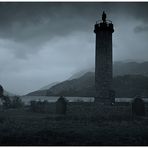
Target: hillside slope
<point>82,84</point>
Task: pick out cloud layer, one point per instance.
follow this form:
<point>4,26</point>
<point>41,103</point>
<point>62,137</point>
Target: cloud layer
<point>45,42</point>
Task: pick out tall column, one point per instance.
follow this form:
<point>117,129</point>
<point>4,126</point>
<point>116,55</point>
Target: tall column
<point>103,60</point>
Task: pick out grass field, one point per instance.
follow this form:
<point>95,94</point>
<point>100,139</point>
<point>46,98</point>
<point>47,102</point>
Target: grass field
<point>84,124</point>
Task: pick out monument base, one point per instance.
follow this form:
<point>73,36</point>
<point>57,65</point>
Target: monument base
<point>105,101</point>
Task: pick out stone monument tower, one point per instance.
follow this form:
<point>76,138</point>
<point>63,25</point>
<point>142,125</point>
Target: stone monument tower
<point>103,60</point>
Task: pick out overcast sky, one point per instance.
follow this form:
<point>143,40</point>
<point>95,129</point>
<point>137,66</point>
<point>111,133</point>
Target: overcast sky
<point>41,43</point>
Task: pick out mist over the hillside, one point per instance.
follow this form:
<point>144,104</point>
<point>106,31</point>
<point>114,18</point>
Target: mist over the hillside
<point>41,43</point>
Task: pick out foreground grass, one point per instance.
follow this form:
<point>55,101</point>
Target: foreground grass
<point>84,124</point>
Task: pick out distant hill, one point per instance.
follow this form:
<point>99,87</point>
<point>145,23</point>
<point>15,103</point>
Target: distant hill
<point>83,86</point>
<point>81,73</point>
<point>49,86</point>
<point>131,86</point>
<point>130,68</point>
<point>38,93</point>
<point>6,93</point>
<point>42,91</point>
<point>120,68</point>
<point>125,86</point>
<point>73,87</point>
<point>131,74</point>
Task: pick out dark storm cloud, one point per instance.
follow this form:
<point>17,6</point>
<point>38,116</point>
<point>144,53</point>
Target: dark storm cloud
<point>58,18</point>
<point>48,18</point>
<point>33,24</point>
<point>45,42</point>
<point>139,29</point>
<point>139,11</point>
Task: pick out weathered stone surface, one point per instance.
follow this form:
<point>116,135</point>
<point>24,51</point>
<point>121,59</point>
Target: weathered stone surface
<point>61,105</point>
<point>138,107</point>
<point>103,63</point>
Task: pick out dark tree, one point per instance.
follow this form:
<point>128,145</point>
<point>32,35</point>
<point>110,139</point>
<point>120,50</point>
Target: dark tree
<point>6,102</point>
<point>16,102</point>
<point>1,91</point>
<point>40,106</point>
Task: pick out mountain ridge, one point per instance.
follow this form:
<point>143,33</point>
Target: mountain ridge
<point>119,69</point>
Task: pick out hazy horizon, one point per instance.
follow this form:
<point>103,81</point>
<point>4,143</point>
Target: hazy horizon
<point>41,43</point>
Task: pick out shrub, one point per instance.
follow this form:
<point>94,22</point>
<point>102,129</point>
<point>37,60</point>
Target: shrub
<point>39,106</point>
<point>6,102</point>
<point>16,102</point>
<point>13,102</point>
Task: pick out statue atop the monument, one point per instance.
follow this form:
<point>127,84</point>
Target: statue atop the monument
<point>104,17</point>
